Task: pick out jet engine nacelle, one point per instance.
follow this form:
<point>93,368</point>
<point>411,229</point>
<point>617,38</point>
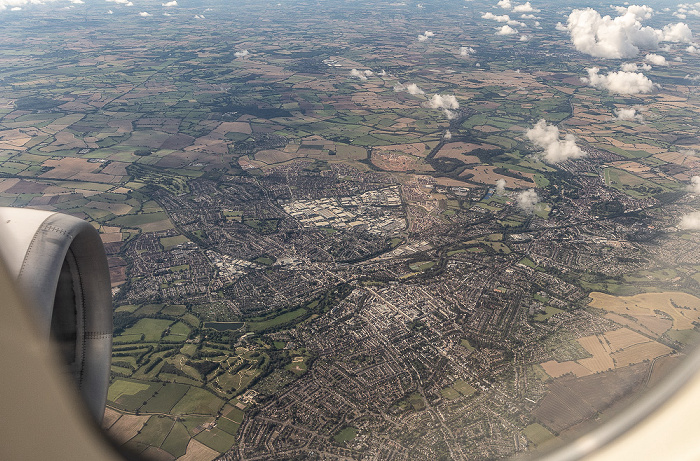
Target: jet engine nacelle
<point>60,265</point>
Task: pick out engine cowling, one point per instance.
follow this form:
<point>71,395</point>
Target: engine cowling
<point>60,265</point>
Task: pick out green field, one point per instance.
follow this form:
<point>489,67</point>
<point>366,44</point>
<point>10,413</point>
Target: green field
<point>176,441</point>
<point>276,321</point>
<point>216,439</point>
<point>449,393</point>
<point>537,434</point>
<point>151,329</point>
<point>198,401</point>
<point>166,398</point>
<point>463,387</point>
<point>345,435</point>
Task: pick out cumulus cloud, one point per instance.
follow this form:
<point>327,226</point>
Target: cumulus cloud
<point>656,59</point>
<point>561,27</point>
<point>505,4</point>
<point>358,74</point>
<point>169,4</point>
<point>145,14</point>
<point>691,221</point>
<point>439,101</point>
<point>466,51</point>
<point>524,38</point>
<point>524,8</point>
<point>110,12</point>
<point>619,82</point>
<point>425,36</point>
<point>447,135</point>
<point>501,186</point>
<point>694,186</point>
<point>506,30</point>
<point>240,54</point>
<point>412,88</point>
<point>446,103</point>
<point>633,67</point>
<point>629,114</point>
<point>527,200</point>
<point>502,18</point>
<point>546,137</point>
<point>121,2</point>
<point>623,36</point>
<point>677,33</point>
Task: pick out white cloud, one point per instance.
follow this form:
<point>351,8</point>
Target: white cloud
<point>412,88</point>
<point>439,101</point>
<point>622,36</point>
<point>466,51</point>
<point>561,27</point>
<point>605,37</point>
<point>678,33</point>
<point>199,16</point>
<point>121,2</point>
<point>694,185</point>
<point>656,59</point>
<point>505,4</point>
<point>633,67</point>
<point>502,18</point>
<point>358,74</point>
<point>546,137</point>
<point>639,12</point>
<point>498,18</point>
<point>524,8</point>
<point>447,135</point>
<point>629,114</point>
<point>16,8</point>
<point>501,186</point>
<point>110,12</point>
<point>527,16</point>
<point>527,200</point>
<point>689,152</point>
<point>619,82</point>
<point>425,36</point>
<point>240,54</point>
<point>524,38</point>
<point>691,221</point>
<point>169,4</point>
<point>506,30</point>
<point>145,14</point>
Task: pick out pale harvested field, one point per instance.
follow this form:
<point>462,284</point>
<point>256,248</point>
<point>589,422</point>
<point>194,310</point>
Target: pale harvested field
<point>127,427</point>
<point>64,140</point>
<point>156,454</point>
<point>443,181</point>
<point>644,305</point>
<point>197,451</point>
<point>111,238</point>
<point>6,184</point>
<point>110,417</point>
<point>623,338</point>
<point>68,167</point>
<point>418,149</point>
<point>271,157</point>
<point>392,161</point>
<point>485,174</point>
<point>640,352</point>
<point>677,158</point>
<point>13,139</point>
<point>157,226</point>
<point>601,360</point>
<point>556,369</point>
<point>235,127</point>
<point>116,208</point>
<point>649,324</point>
